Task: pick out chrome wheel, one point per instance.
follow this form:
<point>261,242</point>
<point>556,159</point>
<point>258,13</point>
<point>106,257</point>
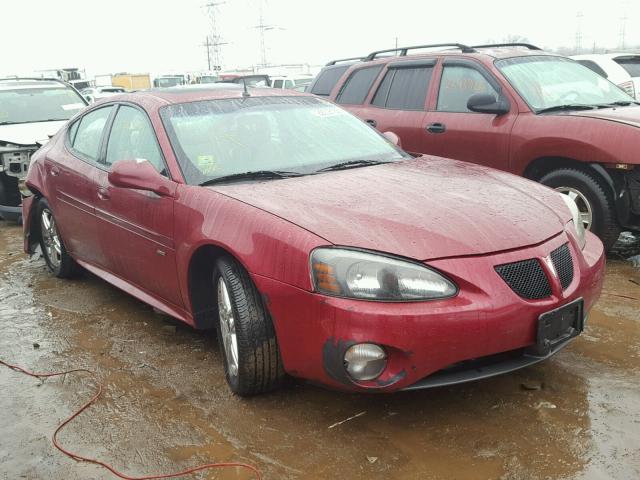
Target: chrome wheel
<point>227,327</point>
<point>586,212</point>
<point>51,238</point>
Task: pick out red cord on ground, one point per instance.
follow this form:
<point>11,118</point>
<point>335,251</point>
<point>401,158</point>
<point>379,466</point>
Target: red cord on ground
<point>95,397</point>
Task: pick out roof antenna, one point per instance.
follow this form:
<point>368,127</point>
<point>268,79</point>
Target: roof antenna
<point>245,92</point>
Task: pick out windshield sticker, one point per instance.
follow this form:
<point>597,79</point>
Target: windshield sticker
<point>207,164</point>
<point>73,106</point>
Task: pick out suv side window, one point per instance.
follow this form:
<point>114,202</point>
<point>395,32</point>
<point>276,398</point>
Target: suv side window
<point>357,86</point>
<point>131,138</point>
<point>458,84</point>
<point>88,135</point>
<point>404,88</point>
<point>327,79</point>
<point>277,84</point>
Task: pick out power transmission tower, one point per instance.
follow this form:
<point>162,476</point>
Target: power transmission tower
<point>214,39</point>
<point>262,28</point>
<point>623,31</point>
<point>579,16</point>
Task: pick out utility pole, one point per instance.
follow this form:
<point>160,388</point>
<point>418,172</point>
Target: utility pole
<point>214,40</point>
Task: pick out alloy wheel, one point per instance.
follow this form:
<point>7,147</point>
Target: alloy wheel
<point>584,207</point>
<point>51,238</point>
<point>227,327</point>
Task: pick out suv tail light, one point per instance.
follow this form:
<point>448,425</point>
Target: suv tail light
<point>628,87</point>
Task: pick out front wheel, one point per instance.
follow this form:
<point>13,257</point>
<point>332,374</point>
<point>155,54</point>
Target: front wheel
<point>597,210</point>
<point>54,252</point>
<point>246,334</point>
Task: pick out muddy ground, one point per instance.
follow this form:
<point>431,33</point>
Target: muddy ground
<point>166,405</point>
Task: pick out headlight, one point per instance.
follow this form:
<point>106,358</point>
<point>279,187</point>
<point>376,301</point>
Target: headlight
<point>356,274</point>
<point>576,222</point>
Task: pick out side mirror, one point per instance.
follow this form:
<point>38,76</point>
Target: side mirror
<point>487,103</point>
<point>140,175</point>
<point>393,138</point>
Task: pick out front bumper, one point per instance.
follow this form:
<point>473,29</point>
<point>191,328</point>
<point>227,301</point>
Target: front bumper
<point>10,213</point>
<point>423,338</point>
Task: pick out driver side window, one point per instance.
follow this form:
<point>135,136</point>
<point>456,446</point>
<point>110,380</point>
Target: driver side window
<point>132,138</point>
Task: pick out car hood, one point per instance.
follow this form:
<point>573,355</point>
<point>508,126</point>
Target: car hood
<point>24,134</point>
<point>424,208</point>
<point>626,115</point>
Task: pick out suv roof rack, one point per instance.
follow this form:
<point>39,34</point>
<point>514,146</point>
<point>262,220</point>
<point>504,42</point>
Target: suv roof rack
<point>352,59</point>
<point>516,44</point>
<point>403,50</point>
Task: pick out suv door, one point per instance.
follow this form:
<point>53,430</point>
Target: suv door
<point>136,227</point>
<point>71,169</point>
<point>399,102</point>
<point>454,131</point>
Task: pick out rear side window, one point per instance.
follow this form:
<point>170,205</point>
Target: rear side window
<point>89,132</point>
<point>404,88</point>
<point>458,84</point>
<point>327,79</point>
<point>630,64</point>
<point>357,86</point>
<point>594,67</point>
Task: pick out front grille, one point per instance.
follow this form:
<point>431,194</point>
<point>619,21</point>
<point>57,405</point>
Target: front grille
<point>526,278</point>
<point>561,259</point>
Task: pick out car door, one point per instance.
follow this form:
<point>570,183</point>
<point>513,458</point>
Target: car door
<point>452,130</point>
<point>399,101</point>
<point>136,227</point>
<point>71,169</point>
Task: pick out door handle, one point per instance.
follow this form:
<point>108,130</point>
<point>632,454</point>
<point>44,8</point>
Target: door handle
<point>373,123</point>
<point>55,171</point>
<point>103,194</point>
<point>436,128</point>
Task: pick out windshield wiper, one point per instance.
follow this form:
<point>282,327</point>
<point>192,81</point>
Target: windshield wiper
<point>622,103</point>
<point>567,106</point>
<point>266,174</point>
<point>352,164</point>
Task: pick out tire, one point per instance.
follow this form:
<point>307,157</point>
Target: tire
<point>603,213</point>
<point>256,366</point>
<point>54,252</point>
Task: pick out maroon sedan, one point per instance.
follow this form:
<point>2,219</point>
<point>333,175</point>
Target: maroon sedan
<point>310,242</point>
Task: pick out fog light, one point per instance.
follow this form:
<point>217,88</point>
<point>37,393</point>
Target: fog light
<point>365,361</point>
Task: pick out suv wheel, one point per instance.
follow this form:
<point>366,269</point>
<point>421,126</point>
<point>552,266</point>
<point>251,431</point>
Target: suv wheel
<point>596,206</point>
<point>55,254</point>
<point>246,335</point>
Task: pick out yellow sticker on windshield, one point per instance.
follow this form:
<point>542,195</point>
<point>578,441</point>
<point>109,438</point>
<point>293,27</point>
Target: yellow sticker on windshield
<point>207,164</point>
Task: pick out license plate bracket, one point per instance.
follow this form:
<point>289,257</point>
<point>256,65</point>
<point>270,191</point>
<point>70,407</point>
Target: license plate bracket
<point>557,326</point>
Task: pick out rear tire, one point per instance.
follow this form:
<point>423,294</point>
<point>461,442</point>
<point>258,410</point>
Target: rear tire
<point>246,334</point>
<point>594,197</point>
<point>54,252</point>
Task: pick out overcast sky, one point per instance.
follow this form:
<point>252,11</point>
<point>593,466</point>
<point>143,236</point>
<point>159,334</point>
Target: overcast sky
<point>161,37</point>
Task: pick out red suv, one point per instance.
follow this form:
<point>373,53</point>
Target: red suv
<point>507,106</point>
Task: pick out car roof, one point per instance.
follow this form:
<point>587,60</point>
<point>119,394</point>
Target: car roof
<point>167,96</point>
<point>18,83</point>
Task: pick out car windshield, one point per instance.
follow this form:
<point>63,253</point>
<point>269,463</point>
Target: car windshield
<point>37,104</point>
<point>301,135</point>
<point>546,82</point>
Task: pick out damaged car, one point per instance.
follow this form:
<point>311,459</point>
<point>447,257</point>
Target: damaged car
<point>310,242</point>
<point>31,110</point>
